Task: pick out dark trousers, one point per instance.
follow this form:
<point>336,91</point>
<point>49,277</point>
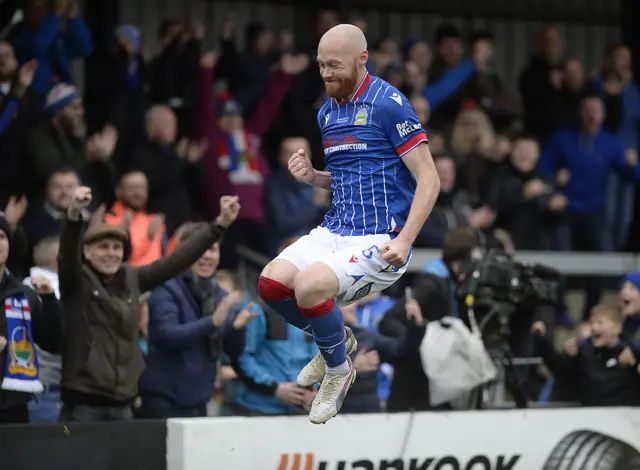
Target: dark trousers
<point>17,415</point>
<point>157,407</point>
<point>585,232</point>
<point>86,413</point>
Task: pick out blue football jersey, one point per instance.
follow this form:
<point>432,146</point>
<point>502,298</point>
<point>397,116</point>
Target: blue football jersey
<point>364,139</point>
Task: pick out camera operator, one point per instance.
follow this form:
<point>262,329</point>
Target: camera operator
<point>435,292</point>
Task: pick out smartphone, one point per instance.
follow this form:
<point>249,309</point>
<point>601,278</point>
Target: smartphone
<point>408,294</point>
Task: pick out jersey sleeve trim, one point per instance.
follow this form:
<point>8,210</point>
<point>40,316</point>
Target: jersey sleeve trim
<point>412,143</point>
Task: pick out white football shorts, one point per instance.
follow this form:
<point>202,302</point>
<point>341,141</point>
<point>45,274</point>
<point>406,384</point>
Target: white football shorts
<point>355,260</point>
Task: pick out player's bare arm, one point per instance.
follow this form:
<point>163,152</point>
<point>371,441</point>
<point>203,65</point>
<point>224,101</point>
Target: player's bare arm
<point>322,179</point>
<point>301,168</point>
<point>421,165</point>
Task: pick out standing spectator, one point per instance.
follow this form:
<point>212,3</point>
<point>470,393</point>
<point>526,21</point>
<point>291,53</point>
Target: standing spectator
<point>629,297</point>
<point>580,160</point>
<point>45,219</point>
<point>18,110</point>
<point>602,377</point>
<point>61,142</point>
<point>117,93</point>
<point>173,72</point>
<point>53,33</point>
<point>269,365</point>
<point>174,174</point>
<point>235,161</point>
<point>292,207</point>
<point>621,95</point>
<point>472,143</point>
<point>525,203</point>
<point>192,321</point>
<point>29,318</point>
<point>369,313</point>
<point>101,360</point>
<point>540,83</point>
<point>453,208</point>
<point>46,407</point>
<point>146,231</point>
<point>574,86</point>
<point>374,349</point>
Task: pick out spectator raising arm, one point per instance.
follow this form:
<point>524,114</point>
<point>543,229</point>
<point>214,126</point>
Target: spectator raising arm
<point>157,273</point>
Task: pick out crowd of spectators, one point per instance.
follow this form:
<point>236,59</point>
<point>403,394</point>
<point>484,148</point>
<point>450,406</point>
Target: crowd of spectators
<point>131,171</point>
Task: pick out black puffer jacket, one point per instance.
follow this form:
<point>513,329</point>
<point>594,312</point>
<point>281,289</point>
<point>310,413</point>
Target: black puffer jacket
<point>363,396</point>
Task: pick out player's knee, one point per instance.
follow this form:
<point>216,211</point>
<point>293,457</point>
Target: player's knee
<point>276,281</point>
<point>315,285</point>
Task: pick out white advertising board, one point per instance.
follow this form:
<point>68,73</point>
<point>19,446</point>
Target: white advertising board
<point>553,439</point>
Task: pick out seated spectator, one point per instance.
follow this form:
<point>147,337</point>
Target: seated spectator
<point>374,349</point>
<point>53,33</point>
<point>19,109</point>
<point>46,406</point>
<point>31,316</point>
<point>580,161</point>
<point>45,219</point>
<point>60,142</point>
<point>101,360</point>
<point>453,208</point>
<point>146,231</point>
<point>192,321</point>
<point>235,160</point>
<point>526,204</point>
<point>603,374</point>
<point>174,174</point>
<point>293,208</point>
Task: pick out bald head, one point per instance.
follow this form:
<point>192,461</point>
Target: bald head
<point>344,37</point>
<point>161,124</point>
<point>342,58</point>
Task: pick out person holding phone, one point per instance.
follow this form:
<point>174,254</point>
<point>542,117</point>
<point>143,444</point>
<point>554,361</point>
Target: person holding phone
<point>192,321</point>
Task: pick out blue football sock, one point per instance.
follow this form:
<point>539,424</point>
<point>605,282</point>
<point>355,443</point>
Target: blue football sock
<point>328,331</point>
<point>281,299</point>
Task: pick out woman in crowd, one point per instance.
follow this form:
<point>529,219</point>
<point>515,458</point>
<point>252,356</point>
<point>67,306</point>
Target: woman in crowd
<point>192,321</point>
<point>101,359</point>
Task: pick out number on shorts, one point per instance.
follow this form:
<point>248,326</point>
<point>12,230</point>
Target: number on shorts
<point>368,253</point>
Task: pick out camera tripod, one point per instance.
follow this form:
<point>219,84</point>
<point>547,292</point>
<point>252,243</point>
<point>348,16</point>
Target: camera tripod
<point>497,345</point>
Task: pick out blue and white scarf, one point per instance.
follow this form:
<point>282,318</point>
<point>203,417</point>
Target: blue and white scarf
<point>21,369</point>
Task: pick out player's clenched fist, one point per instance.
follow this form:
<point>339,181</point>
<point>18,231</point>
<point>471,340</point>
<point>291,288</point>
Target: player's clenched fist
<point>300,167</point>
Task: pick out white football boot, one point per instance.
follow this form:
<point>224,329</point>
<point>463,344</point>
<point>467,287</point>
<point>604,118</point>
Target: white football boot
<point>331,395</point>
<point>313,372</point>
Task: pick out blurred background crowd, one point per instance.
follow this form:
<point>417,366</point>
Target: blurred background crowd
<point>548,161</point>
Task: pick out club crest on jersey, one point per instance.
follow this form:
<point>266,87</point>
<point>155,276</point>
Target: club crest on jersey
<point>361,116</point>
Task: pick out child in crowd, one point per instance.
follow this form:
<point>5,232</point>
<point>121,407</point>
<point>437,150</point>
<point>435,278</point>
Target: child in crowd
<point>602,366</point>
